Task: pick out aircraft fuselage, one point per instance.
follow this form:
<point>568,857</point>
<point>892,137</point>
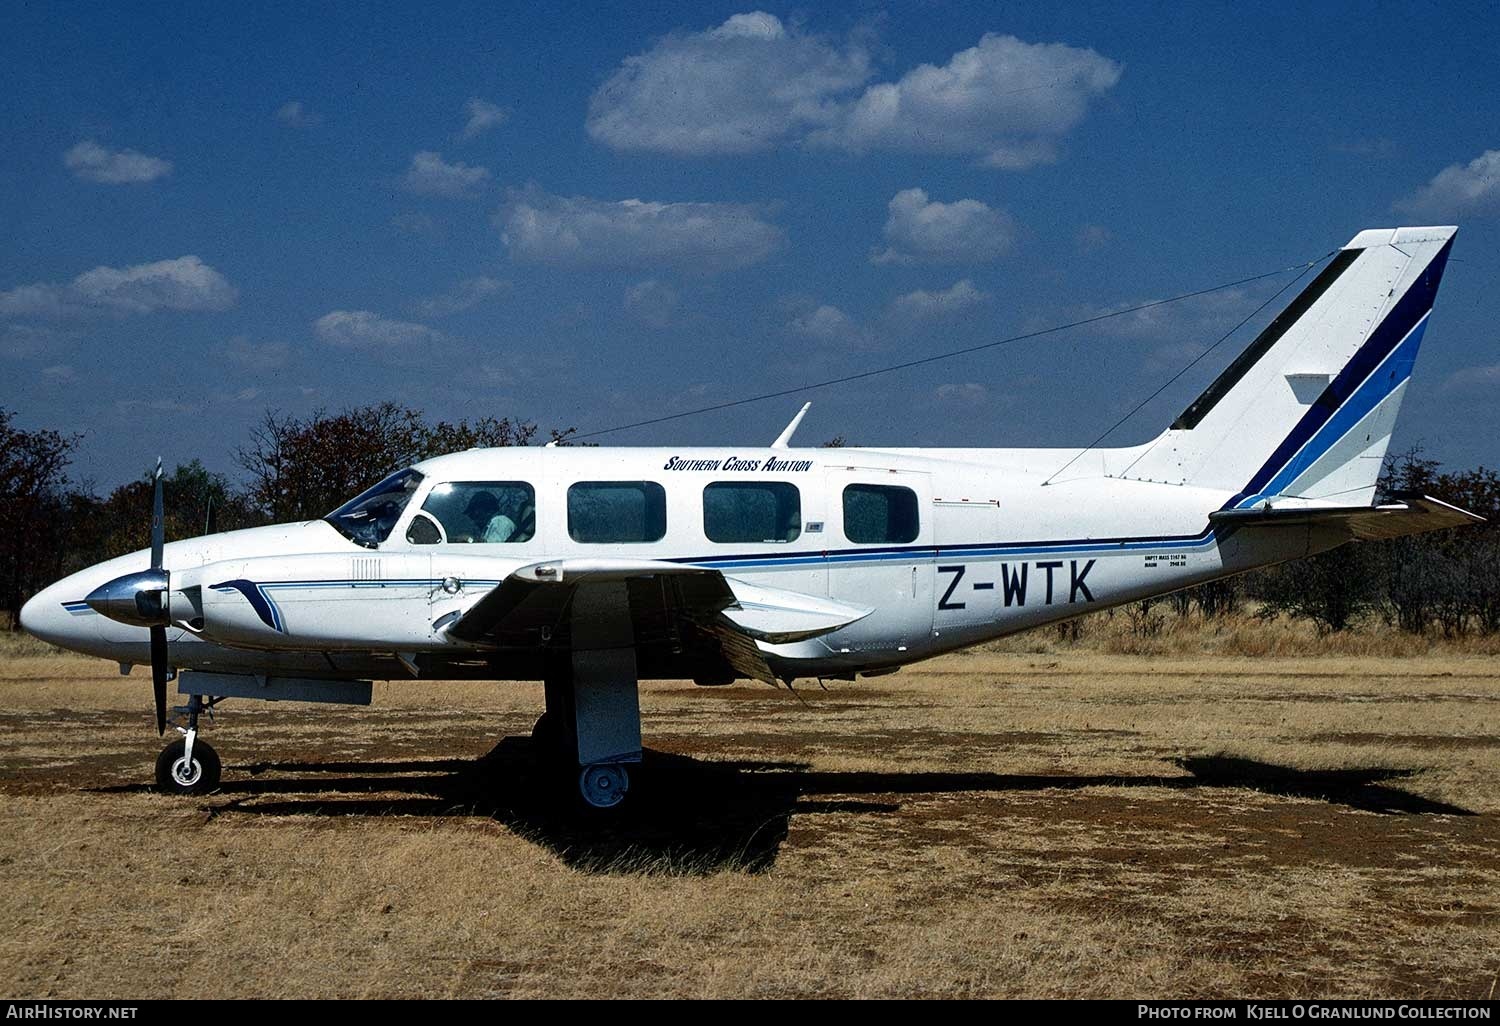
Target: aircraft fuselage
<point>950,548</point>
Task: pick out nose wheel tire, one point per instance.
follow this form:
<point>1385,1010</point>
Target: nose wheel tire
<point>175,774</point>
<point>603,785</point>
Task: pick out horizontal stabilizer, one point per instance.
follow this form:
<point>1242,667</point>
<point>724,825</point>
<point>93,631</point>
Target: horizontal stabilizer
<point>1409,515</point>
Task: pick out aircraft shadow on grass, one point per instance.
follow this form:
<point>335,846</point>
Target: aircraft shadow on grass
<point>702,816</point>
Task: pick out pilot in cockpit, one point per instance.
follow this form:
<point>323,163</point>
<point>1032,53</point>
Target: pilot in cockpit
<point>490,525</point>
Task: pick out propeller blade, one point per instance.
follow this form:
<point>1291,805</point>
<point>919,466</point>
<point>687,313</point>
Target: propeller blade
<point>158,530</point>
<point>159,676</point>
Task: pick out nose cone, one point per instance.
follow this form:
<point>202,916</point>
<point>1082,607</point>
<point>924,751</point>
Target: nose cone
<point>47,616</point>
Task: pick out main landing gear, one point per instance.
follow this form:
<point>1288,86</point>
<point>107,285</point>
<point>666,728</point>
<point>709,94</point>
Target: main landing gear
<point>601,785</point>
<point>590,734</point>
<point>189,765</point>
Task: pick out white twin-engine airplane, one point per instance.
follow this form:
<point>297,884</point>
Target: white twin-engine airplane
<point>593,568</point>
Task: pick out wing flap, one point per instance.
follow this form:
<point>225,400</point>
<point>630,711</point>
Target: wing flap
<point>1409,515</point>
<point>778,616</point>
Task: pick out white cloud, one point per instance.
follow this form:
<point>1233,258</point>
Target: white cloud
<point>1005,100</point>
<point>576,231</point>
<point>361,329</point>
<point>295,114</point>
<point>961,296</point>
<point>465,295</point>
<point>92,162</point>
<point>59,372</point>
<point>926,231</point>
<point>826,324</point>
<point>651,302</point>
<point>483,116</point>
<point>430,175</point>
<point>1460,190</point>
<point>251,356</point>
<point>39,300</point>
<point>186,283</point>
<point>750,84</point>
<point>755,82</point>
<point>969,393</point>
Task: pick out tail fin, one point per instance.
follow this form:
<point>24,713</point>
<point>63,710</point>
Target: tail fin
<point>1307,409</point>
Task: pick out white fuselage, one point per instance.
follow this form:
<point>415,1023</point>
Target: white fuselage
<point>995,547</point>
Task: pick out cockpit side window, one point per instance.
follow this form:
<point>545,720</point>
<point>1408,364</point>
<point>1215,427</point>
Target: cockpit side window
<point>483,512</point>
<point>367,519</point>
<point>423,530</point>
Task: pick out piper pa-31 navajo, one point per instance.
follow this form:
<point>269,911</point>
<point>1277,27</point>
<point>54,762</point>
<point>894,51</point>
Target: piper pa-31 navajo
<point>592,568</point>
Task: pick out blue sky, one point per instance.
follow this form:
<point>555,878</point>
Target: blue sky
<point>591,216</point>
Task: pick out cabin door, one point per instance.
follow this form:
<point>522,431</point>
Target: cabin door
<point>880,554</point>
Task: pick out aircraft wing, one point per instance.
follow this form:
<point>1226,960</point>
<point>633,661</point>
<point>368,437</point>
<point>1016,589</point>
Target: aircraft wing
<point>664,600</point>
<point>1409,515</point>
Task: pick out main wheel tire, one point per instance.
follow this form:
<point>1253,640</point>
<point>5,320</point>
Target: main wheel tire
<point>175,775</point>
<point>603,786</point>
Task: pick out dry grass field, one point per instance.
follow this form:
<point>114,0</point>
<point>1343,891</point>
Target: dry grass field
<point>1036,820</point>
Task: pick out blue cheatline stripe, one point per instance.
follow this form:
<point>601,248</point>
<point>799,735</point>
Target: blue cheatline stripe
<point>77,607</point>
<point>1375,389</point>
<point>1203,540</point>
<point>1409,311</point>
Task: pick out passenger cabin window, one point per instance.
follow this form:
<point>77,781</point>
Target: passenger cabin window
<point>880,514</point>
<point>477,512</point>
<point>752,511</point>
<point>612,512</point>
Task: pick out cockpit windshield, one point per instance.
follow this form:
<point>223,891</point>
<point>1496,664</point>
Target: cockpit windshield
<point>368,518</point>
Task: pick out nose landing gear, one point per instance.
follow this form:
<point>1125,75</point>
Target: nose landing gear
<point>189,766</point>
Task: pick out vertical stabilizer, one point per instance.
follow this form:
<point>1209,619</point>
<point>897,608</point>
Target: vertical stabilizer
<point>1307,409</point>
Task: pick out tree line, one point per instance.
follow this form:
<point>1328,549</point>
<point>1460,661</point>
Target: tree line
<point>301,468</point>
